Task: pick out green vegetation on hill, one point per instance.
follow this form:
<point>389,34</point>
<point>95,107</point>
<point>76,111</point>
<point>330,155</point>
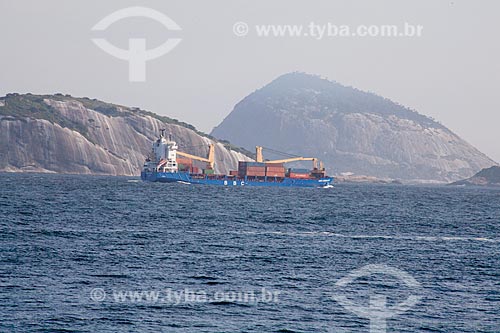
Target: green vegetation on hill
<point>114,110</point>
<point>21,106</point>
<point>18,106</point>
<point>33,106</point>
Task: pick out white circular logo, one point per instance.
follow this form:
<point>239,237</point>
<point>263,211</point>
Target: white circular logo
<point>240,29</point>
<point>378,311</point>
<point>98,294</point>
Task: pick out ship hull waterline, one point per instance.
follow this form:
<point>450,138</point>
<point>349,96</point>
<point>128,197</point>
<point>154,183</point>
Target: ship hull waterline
<point>187,178</point>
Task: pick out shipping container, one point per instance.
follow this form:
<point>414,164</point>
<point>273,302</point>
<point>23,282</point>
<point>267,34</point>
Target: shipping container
<point>299,175</point>
<point>252,169</point>
<point>268,169</point>
<point>275,171</point>
<point>256,174</point>
<point>233,173</point>
<point>208,171</point>
<point>195,170</point>
<point>277,175</point>
<point>185,161</point>
<point>256,169</point>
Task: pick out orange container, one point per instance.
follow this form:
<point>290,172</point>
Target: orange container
<point>184,161</point>
<point>256,174</point>
<point>277,175</point>
<point>299,175</point>
<point>256,168</point>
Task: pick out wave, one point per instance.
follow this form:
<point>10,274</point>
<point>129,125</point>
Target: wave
<point>398,237</point>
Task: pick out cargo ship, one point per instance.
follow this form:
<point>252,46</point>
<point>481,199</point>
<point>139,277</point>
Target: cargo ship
<point>167,164</point>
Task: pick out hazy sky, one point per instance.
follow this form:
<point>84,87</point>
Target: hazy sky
<point>451,73</point>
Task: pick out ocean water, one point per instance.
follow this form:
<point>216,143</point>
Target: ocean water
<point>113,254</point>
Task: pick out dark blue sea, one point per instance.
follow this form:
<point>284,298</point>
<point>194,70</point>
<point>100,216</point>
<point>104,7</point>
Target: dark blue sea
<point>113,254</point>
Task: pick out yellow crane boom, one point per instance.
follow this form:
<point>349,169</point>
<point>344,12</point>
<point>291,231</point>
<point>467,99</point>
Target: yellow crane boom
<point>294,159</point>
<point>259,158</point>
<point>210,160</point>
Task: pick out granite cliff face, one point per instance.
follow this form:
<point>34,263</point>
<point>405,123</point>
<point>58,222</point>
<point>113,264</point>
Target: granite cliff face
<point>350,130</point>
<point>62,134</point>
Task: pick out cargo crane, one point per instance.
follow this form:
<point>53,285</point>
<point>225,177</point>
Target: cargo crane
<point>318,169</point>
<point>210,160</point>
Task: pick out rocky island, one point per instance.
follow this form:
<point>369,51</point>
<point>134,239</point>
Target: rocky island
<point>485,177</point>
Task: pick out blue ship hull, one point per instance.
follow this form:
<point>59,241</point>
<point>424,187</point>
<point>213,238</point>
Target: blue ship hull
<point>185,177</point>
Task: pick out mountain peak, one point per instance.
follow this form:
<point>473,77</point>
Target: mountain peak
<point>350,130</point>
<point>300,80</point>
<point>332,97</point>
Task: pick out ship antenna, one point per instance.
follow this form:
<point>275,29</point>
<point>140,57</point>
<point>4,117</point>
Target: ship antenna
<point>162,132</point>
